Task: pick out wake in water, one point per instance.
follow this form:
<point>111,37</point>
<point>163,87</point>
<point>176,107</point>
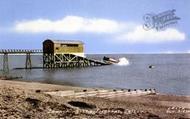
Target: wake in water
<point>123,62</point>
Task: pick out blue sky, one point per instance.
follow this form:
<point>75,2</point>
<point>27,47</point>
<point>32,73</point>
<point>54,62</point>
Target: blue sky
<point>105,26</point>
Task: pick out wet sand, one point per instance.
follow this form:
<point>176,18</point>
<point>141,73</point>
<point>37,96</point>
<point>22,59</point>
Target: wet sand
<point>20,99</point>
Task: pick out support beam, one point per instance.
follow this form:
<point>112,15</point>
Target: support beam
<point>28,63</point>
<point>68,61</point>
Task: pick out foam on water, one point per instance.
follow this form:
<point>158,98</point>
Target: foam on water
<point>123,61</point>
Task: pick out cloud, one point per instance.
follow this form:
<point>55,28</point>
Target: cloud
<point>139,35</point>
<point>69,24</point>
<point>119,32</point>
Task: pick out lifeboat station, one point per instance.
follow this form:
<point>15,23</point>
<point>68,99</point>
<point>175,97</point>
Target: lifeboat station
<point>66,53</point>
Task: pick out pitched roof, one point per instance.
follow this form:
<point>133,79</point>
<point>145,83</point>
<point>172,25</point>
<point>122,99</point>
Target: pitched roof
<point>67,41</point>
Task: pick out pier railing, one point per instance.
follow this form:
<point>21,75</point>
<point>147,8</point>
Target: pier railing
<point>20,51</point>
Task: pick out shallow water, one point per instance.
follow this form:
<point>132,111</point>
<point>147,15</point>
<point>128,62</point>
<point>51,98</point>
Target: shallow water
<point>170,74</point>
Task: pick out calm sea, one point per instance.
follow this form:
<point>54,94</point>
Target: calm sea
<point>170,75</point>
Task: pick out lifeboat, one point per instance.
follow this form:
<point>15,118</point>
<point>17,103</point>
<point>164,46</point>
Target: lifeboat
<point>110,60</point>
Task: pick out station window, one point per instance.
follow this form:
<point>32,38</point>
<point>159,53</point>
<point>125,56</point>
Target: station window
<point>63,45</point>
<point>72,45</point>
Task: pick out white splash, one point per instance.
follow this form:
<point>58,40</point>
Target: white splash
<point>123,61</point>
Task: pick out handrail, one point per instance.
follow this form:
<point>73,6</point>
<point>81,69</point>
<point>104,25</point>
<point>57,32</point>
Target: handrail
<point>17,51</point>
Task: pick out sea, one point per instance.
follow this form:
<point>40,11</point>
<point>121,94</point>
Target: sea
<point>167,73</point>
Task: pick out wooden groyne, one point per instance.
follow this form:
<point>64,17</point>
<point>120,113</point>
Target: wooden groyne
<point>102,93</point>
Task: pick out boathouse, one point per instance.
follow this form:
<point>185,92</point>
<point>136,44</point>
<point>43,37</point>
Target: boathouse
<point>63,47</point>
<point>62,54</point>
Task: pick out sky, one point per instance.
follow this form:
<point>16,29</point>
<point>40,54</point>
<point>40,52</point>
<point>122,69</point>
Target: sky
<point>105,26</point>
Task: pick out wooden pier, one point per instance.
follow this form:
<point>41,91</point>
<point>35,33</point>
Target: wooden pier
<point>28,62</point>
<point>56,54</point>
<point>49,60</point>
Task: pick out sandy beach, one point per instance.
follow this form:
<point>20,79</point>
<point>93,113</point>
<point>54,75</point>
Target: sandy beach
<point>20,99</point>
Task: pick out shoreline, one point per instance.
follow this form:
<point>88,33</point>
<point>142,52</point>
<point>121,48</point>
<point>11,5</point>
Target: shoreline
<point>19,99</point>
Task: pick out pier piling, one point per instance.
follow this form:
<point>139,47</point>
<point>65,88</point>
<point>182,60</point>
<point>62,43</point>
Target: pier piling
<point>5,63</point>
